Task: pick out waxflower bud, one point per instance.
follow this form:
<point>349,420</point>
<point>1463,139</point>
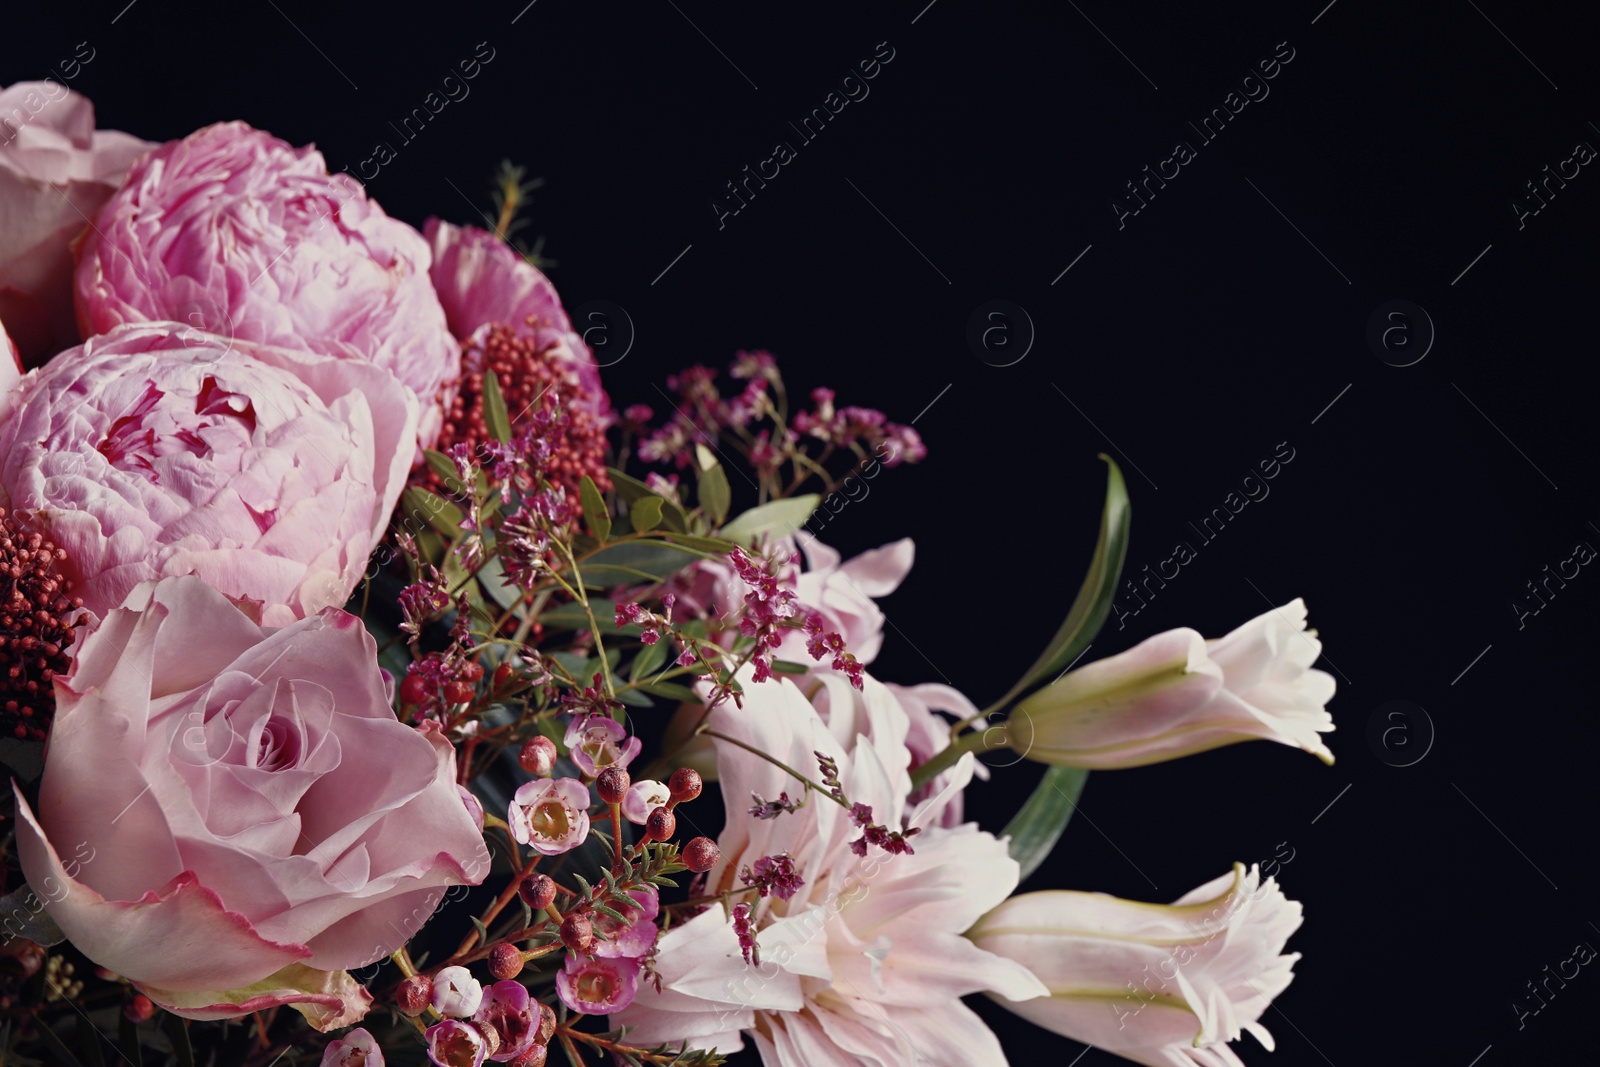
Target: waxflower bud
<point>612,785</point>
<point>503,675</point>
<point>138,1009</point>
<point>685,784</point>
<point>505,961</point>
<point>701,854</point>
<point>414,995</point>
<point>577,933</point>
<point>456,992</point>
<point>660,826</point>
<point>538,756</point>
<point>538,891</point>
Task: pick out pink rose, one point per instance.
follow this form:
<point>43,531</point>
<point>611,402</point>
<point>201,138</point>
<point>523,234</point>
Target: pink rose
<point>157,450</point>
<point>230,816</point>
<point>56,170</point>
<point>482,280</point>
<point>233,231</point>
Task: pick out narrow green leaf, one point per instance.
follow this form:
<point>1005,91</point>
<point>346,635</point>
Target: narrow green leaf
<point>650,659</point>
<point>1038,826</point>
<point>1093,603</point>
<point>645,513</point>
<point>419,507</point>
<point>483,931</point>
<point>788,666</point>
<point>774,519</point>
<point>445,468</point>
<point>715,546</point>
<point>494,409</point>
<point>595,515</point>
<point>670,691</point>
<point>634,698</point>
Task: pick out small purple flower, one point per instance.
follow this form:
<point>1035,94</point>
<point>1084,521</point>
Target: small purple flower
<point>746,934</point>
<point>355,1049</point>
<point>454,1043</point>
<point>637,936</point>
<point>550,815</point>
<point>597,741</point>
<point>774,875</point>
<point>597,986</point>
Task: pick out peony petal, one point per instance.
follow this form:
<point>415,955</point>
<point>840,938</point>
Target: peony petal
<point>329,1000</point>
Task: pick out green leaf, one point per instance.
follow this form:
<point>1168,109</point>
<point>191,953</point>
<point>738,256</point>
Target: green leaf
<point>483,931</point>
<point>595,515</point>
<point>1088,612</point>
<point>419,505</point>
<point>714,546</point>
<point>670,691</point>
<point>494,409</point>
<point>645,513</point>
<point>788,666</point>
<point>635,699</point>
<point>649,660</point>
<point>714,495</point>
<point>634,561</point>
<point>492,576</point>
<point>630,489</point>
<point>570,616</point>
<point>445,468</point>
<point>1038,826</point>
<point>775,519</point>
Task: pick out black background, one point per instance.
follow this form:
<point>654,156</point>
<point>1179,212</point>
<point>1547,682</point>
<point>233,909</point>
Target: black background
<point>1221,320</point>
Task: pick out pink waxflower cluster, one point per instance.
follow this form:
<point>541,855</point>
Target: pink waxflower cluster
<point>500,1022</point>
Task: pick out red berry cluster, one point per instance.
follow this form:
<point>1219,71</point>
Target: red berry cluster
<point>530,372</point>
<point>37,616</point>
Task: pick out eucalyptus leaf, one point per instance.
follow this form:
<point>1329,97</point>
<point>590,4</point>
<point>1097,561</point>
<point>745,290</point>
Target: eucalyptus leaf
<point>595,515</point>
<point>495,415</point>
<point>650,659</point>
<point>715,495</point>
<point>630,489</point>
<point>635,561</point>
<point>1036,828</point>
<point>774,519</point>
<point>645,514</point>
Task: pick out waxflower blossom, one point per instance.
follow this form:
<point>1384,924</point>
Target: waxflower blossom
<point>598,985</point>
<point>550,815</point>
<point>456,992</point>
<point>635,937</point>
<point>355,1049</point>
<point>1167,986</point>
<point>1176,694</point>
<point>453,1043</point>
<point>596,741</point>
<point>513,1015</point>
<point>643,798</point>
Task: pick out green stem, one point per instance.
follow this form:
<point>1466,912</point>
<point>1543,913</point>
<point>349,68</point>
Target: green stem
<point>946,758</point>
<point>777,763</point>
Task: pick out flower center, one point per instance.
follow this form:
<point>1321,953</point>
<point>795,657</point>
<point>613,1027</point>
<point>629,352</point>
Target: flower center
<point>550,820</point>
<point>596,986</point>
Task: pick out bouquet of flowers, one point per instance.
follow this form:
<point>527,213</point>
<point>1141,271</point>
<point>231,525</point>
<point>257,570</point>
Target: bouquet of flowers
<point>373,692</point>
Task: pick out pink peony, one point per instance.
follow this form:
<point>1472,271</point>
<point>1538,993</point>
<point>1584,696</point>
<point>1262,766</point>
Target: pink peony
<point>863,962</point>
<point>481,280</point>
<point>231,815</point>
<point>156,450</point>
<point>56,170</point>
<point>236,232</point>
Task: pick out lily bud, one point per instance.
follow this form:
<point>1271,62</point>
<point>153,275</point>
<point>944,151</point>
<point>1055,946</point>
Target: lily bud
<point>1154,984</point>
<point>1176,694</point>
